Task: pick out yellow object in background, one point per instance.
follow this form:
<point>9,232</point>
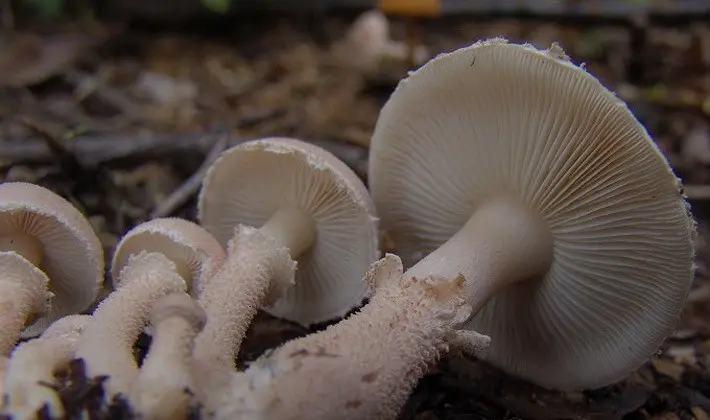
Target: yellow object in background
<point>411,8</point>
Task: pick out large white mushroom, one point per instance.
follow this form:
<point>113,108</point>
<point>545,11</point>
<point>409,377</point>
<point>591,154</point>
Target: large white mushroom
<point>520,172</point>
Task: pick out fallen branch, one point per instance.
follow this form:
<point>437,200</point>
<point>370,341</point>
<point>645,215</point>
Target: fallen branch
<point>92,151</point>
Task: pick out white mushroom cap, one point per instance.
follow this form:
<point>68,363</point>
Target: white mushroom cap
<point>497,119</point>
<point>72,256</point>
<point>196,253</point>
<point>250,182</point>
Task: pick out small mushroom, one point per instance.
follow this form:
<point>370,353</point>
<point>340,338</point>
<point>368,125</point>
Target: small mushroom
<point>155,258</point>
<point>522,173</point>
<point>309,207</point>
<point>32,366</point>
<point>164,386</point>
<point>51,259</point>
<point>367,44</point>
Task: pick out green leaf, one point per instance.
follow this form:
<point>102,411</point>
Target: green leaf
<point>217,6</point>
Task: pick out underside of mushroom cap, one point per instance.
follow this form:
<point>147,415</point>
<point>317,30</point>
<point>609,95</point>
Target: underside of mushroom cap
<point>250,182</point>
<point>185,243</point>
<point>73,256</point>
<point>496,119</point>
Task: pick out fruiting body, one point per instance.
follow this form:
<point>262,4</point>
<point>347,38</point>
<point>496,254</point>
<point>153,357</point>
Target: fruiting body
<point>55,249</point>
<point>300,231</point>
<point>154,259</point>
<point>585,190</point>
<point>519,172</point>
<point>273,202</point>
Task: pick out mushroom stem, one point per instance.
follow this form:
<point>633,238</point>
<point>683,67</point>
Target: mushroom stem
<point>292,229</point>
<point>256,271</point>
<point>24,295</point>
<point>29,247</point>
<point>107,342</point>
<point>32,367</point>
<point>501,243</point>
<point>403,329</point>
<point>365,366</point>
<point>165,385</point>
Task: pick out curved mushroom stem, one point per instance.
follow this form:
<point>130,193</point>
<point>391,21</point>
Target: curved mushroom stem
<point>366,365</point>
<point>107,342</point>
<point>363,367</point>
<point>256,271</point>
<point>164,386</point>
<point>24,295</point>
<point>260,266</point>
<point>32,367</point>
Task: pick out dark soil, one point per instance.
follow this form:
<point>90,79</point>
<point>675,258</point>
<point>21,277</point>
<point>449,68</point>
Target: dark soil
<point>118,118</point>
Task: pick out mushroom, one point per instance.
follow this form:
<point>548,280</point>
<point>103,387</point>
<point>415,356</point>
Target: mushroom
<point>154,259</point>
<point>32,367</point>
<point>521,172</point>
<point>51,259</point>
<point>164,385</point>
<point>367,44</point>
<point>273,202</point>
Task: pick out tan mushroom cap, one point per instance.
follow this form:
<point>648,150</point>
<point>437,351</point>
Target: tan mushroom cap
<point>497,119</point>
<point>196,253</point>
<point>250,182</point>
<point>72,253</point>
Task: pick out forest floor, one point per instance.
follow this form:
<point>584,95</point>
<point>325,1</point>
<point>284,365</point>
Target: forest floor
<point>118,120</point>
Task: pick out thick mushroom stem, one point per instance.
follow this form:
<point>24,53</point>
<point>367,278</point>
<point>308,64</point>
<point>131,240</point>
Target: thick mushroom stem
<point>365,366</point>
<point>24,295</point>
<point>33,365</point>
<point>403,329</point>
<point>292,229</point>
<point>165,385</point>
<point>107,342</point>
<point>259,266</point>
<point>502,243</point>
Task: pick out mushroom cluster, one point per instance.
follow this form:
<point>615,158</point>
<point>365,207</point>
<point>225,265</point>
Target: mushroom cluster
<point>538,227</point>
<point>530,206</point>
<point>284,226</point>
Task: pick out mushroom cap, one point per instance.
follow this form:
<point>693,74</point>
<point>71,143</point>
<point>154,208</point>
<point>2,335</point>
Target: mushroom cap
<point>73,256</point>
<point>251,181</point>
<point>497,118</point>
<point>183,242</point>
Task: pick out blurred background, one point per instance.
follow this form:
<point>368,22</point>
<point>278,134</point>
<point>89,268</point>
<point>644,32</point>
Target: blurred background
<point>120,105</point>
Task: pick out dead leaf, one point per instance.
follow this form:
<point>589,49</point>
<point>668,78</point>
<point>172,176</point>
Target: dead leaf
<point>668,368</point>
<point>27,59</point>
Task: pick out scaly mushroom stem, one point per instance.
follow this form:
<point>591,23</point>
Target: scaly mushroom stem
<point>33,365</point>
<point>260,265</point>
<point>164,386</point>
<point>365,366</point>
<point>24,295</point>
<point>107,342</point>
<point>502,243</point>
